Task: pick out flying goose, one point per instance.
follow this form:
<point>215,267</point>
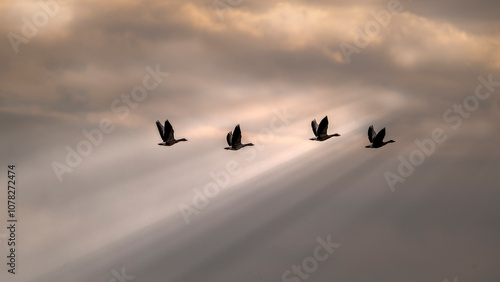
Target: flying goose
<point>234,139</point>
<point>321,131</point>
<point>377,140</point>
<point>167,134</point>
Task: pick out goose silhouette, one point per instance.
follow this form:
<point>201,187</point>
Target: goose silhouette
<point>167,134</point>
<point>377,140</point>
<point>321,131</point>
<point>234,139</point>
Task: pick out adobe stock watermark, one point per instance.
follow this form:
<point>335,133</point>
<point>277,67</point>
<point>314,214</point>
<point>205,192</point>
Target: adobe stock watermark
<point>121,276</point>
<point>48,9</point>
<point>310,264</point>
<point>453,116</point>
<point>221,179</point>
<point>454,280</point>
<point>94,137</point>
<point>221,6</point>
<point>371,30</point>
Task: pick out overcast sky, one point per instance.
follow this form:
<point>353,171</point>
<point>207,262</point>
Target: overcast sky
<point>83,82</point>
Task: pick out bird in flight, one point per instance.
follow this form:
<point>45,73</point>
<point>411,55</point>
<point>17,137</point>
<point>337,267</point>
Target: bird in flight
<point>321,131</point>
<point>167,134</point>
<point>377,140</point>
<point>234,140</point>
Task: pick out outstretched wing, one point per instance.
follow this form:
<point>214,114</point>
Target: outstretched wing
<point>236,140</point>
<point>314,126</point>
<point>169,131</point>
<point>161,130</point>
<point>323,127</point>
<point>380,137</point>
<point>371,133</point>
<point>229,138</point>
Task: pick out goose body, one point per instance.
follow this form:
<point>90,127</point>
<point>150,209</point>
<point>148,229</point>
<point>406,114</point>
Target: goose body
<point>234,139</point>
<point>377,139</point>
<point>320,131</point>
<point>167,134</point>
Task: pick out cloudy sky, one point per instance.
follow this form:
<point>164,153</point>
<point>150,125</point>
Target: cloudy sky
<point>83,82</point>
